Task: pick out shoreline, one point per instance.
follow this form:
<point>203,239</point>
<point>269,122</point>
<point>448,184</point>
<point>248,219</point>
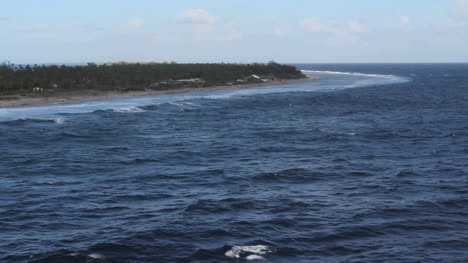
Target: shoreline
<point>67,96</point>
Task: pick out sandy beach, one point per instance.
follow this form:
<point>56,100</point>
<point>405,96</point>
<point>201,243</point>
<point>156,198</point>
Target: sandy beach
<point>62,96</point>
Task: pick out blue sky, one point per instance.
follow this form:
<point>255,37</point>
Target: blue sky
<point>320,31</point>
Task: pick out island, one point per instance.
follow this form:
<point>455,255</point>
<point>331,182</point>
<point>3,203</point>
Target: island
<point>32,84</point>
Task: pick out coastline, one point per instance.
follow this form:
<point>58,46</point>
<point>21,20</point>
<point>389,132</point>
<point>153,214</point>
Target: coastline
<point>65,96</point>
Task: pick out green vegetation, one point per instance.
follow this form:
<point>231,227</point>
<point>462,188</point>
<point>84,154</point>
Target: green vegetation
<point>135,76</point>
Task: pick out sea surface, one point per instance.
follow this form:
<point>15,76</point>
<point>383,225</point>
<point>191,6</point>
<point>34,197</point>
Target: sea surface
<point>368,163</point>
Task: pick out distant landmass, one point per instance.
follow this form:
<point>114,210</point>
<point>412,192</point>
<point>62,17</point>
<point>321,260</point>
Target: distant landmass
<point>73,82</point>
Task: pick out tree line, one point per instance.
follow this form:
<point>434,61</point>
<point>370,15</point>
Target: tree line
<point>120,76</point>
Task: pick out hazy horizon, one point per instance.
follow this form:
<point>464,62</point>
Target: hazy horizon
<point>361,31</point>
<point>227,62</point>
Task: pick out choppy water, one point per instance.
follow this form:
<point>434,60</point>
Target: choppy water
<point>364,166</point>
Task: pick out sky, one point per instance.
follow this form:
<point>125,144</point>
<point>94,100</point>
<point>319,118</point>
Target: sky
<point>293,31</point>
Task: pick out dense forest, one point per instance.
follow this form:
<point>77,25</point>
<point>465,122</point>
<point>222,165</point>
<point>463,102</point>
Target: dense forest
<point>135,76</point>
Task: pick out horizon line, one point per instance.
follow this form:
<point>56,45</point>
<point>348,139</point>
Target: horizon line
<point>218,62</point>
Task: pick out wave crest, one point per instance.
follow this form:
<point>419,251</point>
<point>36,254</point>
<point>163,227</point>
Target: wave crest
<point>248,252</point>
<point>131,109</point>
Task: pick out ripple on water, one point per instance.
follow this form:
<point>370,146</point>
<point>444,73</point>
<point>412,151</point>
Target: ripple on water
<point>310,172</point>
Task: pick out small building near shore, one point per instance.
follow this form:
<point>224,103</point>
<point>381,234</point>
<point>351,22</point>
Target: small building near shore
<point>192,80</point>
<point>254,79</point>
<point>193,83</point>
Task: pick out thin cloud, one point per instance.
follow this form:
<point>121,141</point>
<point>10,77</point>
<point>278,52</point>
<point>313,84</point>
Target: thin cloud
<point>134,23</point>
<point>451,23</point>
<point>347,34</point>
<point>357,26</point>
<point>30,28</point>
<point>40,26</point>
<point>279,31</point>
<point>315,25</point>
<point>405,20</point>
<point>461,3</point>
<point>231,30</point>
<point>196,16</point>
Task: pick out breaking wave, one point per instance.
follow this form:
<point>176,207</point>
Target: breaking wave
<point>392,78</point>
<point>248,252</point>
<point>334,81</point>
<point>348,73</point>
<point>129,109</point>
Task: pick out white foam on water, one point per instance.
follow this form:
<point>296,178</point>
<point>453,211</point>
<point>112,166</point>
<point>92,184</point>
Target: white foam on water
<point>362,80</point>
<point>249,252</point>
<point>372,82</point>
<point>254,257</point>
<point>96,256</point>
<point>348,73</point>
<point>184,104</point>
<point>335,81</point>
<point>129,109</point>
<point>59,120</point>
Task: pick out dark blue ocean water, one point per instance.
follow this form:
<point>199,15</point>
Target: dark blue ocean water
<point>364,166</point>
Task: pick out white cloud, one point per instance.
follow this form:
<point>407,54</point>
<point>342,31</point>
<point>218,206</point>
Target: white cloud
<point>314,25</point>
<point>338,34</point>
<point>86,27</point>
<point>279,27</point>
<point>196,16</point>
<point>461,3</point>
<point>279,31</point>
<point>405,20</point>
<point>357,26</point>
<point>134,23</point>
<point>450,23</point>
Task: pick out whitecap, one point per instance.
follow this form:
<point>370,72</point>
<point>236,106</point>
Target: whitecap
<point>59,120</point>
<point>96,256</point>
<point>184,104</point>
<point>389,77</point>
<point>349,73</point>
<point>254,257</point>
<point>248,252</point>
<point>130,109</point>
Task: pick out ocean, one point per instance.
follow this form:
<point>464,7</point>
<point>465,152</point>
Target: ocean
<point>367,163</point>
